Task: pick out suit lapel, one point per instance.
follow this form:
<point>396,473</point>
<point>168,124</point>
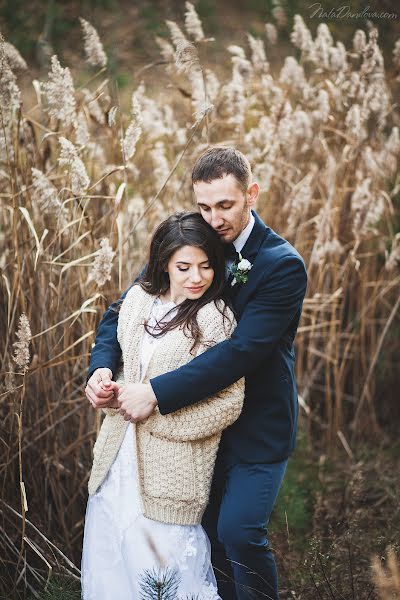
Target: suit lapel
<point>249,251</point>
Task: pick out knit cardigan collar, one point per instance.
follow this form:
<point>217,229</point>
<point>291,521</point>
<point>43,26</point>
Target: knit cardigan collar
<point>134,343</point>
<point>132,364</point>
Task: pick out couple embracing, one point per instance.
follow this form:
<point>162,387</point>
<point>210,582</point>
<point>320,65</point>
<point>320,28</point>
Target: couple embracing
<point>194,368</point>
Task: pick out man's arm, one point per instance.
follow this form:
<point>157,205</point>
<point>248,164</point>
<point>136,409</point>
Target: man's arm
<point>214,414</point>
<point>107,352</point>
<point>263,323</point>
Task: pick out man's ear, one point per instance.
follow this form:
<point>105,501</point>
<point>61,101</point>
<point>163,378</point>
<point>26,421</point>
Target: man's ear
<point>252,193</point>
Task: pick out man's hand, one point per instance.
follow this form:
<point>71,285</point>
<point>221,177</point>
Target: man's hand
<point>101,391</point>
<point>136,401</point>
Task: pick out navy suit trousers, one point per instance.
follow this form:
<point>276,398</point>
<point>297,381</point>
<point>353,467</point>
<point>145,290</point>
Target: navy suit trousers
<point>241,501</point>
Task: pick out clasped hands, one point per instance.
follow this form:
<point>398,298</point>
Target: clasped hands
<point>136,401</point>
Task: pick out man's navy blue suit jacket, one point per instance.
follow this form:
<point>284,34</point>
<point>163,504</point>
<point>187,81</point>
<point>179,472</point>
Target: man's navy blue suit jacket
<point>268,308</point>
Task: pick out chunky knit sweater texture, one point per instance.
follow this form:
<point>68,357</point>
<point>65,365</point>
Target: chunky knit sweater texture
<point>176,452</point>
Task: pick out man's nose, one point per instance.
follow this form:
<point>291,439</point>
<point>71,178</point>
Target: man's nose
<point>216,220</point>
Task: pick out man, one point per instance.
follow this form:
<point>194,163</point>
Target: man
<point>267,300</point>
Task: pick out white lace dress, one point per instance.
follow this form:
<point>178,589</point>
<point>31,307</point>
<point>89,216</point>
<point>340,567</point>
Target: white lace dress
<point>122,548</point>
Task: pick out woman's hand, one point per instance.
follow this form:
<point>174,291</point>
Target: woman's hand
<point>101,391</point>
<point>136,401</point>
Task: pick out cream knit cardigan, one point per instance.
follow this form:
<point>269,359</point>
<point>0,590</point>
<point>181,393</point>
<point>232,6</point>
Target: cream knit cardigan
<point>175,452</point>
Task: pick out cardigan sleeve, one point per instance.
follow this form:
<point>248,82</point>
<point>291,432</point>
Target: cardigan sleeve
<point>212,415</point>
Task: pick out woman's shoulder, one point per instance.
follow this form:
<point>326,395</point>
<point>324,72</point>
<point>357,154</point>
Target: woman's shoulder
<point>216,316</point>
<point>135,302</point>
<point>215,307</point>
<point>135,298</point>
<point>136,294</point>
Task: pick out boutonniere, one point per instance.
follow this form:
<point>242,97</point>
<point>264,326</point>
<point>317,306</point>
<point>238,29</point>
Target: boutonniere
<point>240,270</point>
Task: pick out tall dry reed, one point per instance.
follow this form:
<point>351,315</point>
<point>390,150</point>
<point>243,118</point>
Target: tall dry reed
<point>82,185</point>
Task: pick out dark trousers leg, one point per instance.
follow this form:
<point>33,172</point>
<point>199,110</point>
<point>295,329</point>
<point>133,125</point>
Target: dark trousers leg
<point>245,503</point>
<point>222,566</point>
<point>250,495</point>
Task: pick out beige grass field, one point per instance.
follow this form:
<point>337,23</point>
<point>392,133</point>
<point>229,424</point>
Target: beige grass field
<point>83,182</point>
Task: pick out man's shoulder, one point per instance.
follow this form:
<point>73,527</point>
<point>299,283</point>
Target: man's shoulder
<point>279,262</point>
<point>276,249</point>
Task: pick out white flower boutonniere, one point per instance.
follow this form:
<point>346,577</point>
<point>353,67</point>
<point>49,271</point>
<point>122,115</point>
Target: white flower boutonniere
<point>240,269</point>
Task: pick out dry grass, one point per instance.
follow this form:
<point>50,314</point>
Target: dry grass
<point>82,186</point>
<point>387,579</point>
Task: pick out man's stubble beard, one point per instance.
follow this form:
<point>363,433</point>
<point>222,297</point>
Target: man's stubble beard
<point>244,221</point>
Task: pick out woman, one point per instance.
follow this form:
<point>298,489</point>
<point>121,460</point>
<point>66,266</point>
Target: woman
<point>150,482</point>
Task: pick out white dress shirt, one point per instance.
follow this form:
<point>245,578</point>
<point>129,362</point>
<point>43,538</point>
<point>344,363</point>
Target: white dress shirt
<point>241,240</point>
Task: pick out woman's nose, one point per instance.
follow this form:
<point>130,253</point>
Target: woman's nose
<point>195,275</point>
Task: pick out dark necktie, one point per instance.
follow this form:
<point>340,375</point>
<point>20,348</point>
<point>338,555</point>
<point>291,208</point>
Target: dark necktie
<point>230,252</point>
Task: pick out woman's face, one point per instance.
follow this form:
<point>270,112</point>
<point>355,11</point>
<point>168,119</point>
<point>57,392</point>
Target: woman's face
<point>190,274</point>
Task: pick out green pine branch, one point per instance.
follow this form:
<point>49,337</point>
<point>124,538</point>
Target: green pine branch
<point>159,584</point>
<point>162,584</point>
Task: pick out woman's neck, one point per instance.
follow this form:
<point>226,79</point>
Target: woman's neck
<point>170,296</point>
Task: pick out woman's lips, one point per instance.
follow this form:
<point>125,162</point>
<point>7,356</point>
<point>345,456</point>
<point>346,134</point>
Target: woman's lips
<point>195,289</point>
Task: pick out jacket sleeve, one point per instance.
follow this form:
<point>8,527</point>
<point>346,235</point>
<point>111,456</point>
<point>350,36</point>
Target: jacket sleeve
<point>265,319</point>
<point>106,351</point>
<point>130,302</point>
<point>212,415</point>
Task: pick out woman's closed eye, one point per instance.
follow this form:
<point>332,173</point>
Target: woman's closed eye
<point>207,266</point>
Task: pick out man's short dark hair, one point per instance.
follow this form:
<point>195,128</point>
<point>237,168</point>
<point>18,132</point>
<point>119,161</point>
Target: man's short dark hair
<point>218,161</point>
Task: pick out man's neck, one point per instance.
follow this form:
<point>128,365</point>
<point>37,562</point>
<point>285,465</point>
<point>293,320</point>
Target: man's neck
<point>244,226</point>
<point>243,236</point>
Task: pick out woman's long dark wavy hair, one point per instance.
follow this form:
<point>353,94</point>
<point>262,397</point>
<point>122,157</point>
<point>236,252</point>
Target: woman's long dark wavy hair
<point>179,230</point>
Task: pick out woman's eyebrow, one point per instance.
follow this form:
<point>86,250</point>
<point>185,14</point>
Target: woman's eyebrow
<point>182,262</point>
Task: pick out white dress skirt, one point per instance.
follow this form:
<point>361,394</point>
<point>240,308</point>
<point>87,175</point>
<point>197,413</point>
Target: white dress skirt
<point>125,553</point>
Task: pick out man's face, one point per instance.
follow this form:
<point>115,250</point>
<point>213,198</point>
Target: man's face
<point>225,206</point>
